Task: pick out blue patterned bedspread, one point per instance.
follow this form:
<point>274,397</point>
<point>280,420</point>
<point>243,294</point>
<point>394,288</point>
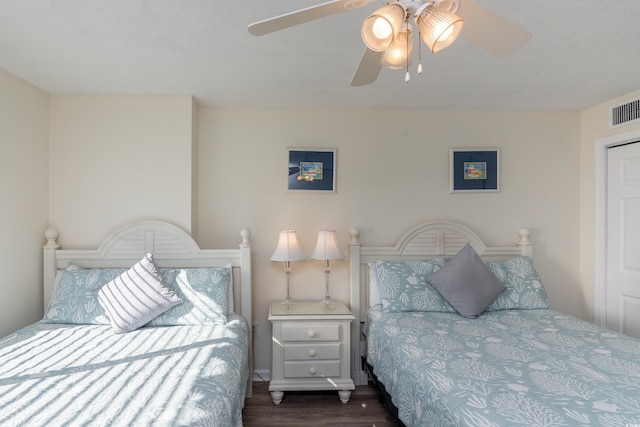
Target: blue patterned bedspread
<point>505,368</point>
<point>81,375</point>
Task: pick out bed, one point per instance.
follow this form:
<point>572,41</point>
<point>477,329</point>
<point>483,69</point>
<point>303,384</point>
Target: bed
<point>180,355</point>
<point>513,362</point>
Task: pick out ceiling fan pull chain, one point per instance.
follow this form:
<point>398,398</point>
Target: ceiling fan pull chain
<point>419,54</point>
<point>407,77</point>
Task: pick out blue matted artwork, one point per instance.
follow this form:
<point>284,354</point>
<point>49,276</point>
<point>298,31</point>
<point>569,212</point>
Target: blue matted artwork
<point>311,170</point>
<point>474,169</point>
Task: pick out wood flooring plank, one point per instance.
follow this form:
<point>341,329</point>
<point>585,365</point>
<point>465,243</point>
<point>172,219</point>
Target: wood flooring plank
<point>316,409</point>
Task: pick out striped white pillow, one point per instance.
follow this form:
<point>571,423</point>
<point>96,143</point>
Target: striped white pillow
<point>136,296</point>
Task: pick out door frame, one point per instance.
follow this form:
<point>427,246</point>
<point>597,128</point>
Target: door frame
<point>600,219</point>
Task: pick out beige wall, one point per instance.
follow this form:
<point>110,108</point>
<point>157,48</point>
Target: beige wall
<point>194,167</point>
<point>392,172</point>
<point>594,126</point>
<point>23,200</point>
<point>116,159</point>
<point>212,171</point>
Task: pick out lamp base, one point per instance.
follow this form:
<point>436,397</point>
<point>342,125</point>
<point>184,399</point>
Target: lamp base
<point>288,304</point>
<point>327,303</point>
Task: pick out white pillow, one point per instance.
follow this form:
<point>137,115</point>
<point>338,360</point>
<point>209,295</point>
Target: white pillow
<point>230,303</point>
<point>56,280</point>
<point>375,297</point>
<point>136,296</point>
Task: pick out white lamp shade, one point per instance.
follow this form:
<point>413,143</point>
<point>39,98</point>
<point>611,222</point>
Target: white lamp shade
<point>287,249</point>
<point>327,246</point>
<point>382,26</point>
<point>438,28</point>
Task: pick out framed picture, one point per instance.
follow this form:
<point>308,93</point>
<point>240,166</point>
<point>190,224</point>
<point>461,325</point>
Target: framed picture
<point>311,170</point>
<point>474,169</point>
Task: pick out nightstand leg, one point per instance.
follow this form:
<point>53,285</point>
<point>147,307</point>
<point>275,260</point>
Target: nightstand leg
<point>344,395</point>
<point>276,396</point>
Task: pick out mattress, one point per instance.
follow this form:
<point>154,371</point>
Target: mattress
<point>85,375</point>
<point>504,368</point>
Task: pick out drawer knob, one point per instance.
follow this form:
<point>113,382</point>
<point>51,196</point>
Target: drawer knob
<point>311,333</point>
<point>312,353</point>
<point>312,371</point>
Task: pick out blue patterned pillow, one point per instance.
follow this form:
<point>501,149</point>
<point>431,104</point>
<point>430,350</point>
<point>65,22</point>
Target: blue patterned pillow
<point>204,293</point>
<point>404,286</point>
<point>73,300</point>
<point>524,286</point>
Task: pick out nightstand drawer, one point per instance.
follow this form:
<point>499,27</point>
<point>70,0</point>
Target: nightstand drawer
<point>312,351</point>
<point>315,369</point>
<point>302,331</point>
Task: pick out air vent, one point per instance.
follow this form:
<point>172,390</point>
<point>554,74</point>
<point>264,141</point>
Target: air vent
<point>624,113</point>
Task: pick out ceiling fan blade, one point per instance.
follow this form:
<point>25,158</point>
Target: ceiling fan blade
<point>489,31</point>
<point>368,69</point>
<point>304,15</point>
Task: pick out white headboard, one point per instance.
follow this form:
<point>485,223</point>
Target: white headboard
<point>171,247</point>
<point>431,239</point>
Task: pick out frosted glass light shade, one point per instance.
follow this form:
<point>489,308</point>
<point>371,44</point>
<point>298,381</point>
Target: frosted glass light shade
<point>381,27</point>
<point>287,248</point>
<point>398,55</point>
<point>438,28</point>
<point>327,246</point>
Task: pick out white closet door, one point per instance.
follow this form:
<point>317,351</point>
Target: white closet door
<point>623,239</point>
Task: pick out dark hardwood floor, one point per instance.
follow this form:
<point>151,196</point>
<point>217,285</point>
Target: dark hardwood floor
<point>321,408</point>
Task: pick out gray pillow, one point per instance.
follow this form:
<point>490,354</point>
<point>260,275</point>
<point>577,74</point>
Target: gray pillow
<point>467,283</point>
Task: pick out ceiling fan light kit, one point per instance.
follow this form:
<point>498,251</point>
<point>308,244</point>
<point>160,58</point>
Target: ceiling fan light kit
<point>387,31</point>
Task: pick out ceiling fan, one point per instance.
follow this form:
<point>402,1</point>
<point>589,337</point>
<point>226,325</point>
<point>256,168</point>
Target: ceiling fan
<point>387,32</point>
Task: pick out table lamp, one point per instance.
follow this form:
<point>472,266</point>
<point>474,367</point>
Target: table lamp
<point>327,249</point>
<point>287,251</point>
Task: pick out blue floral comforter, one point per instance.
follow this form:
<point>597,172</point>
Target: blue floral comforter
<point>81,375</point>
<point>505,368</point>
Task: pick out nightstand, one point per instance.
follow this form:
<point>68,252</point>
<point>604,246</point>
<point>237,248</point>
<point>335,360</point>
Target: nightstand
<point>311,349</point>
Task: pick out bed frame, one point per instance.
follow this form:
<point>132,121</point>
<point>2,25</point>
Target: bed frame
<point>171,247</point>
<point>431,239</point>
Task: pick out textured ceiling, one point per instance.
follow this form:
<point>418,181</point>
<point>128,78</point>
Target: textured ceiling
<point>582,52</point>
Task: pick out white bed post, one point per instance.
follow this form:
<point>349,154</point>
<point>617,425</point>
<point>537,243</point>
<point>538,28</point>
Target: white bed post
<point>524,243</point>
<point>246,297</point>
<point>358,376</point>
<point>49,265</point>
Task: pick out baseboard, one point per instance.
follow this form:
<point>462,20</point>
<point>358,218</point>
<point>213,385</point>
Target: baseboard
<point>262,375</point>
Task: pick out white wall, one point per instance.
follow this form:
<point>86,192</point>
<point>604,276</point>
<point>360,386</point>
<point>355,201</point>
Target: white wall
<point>594,125</point>
<point>392,172</point>
<point>23,200</point>
<point>117,159</point>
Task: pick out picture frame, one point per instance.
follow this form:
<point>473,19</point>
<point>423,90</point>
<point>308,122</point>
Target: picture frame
<point>311,170</point>
<point>474,170</point>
